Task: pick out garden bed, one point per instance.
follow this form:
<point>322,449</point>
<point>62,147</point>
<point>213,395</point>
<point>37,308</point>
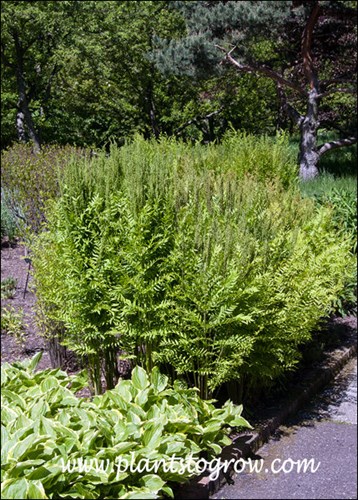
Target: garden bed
<point>340,331</point>
<point>14,266</point>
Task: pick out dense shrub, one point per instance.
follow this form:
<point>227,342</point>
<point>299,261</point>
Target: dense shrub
<point>9,225</point>
<point>46,428</point>
<point>30,179</point>
<point>178,259</point>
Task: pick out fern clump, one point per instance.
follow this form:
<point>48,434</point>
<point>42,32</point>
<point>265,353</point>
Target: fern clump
<point>216,273</point>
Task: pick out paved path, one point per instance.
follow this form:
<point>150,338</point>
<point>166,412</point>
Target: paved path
<point>326,430</point>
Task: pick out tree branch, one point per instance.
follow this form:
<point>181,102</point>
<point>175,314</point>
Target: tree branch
<point>264,70</point>
<point>54,71</point>
<point>306,46</point>
<point>197,119</point>
<point>288,108</point>
<point>328,146</point>
<point>31,92</point>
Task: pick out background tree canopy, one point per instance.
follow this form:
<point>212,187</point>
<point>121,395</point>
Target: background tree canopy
<point>86,72</point>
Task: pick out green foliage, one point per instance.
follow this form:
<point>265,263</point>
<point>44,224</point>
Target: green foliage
<point>250,291</point>
<point>8,287</point>
<point>30,180</point>
<point>264,157</point>
<point>119,92</point>
<point>47,431</point>
<point>9,226</point>
<point>346,303</point>
<point>12,323</point>
<point>90,69</point>
<point>205,261</point>
<point>214,106</point>
<point>89,80</point>
<point>340,194</point>
<point>34,40</point>
<point>263,40</point>
<point>211,23</point>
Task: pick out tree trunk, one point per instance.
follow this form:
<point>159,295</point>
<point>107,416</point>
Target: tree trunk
<point>151,111</point>
<point>24,114</point>
<point>309,155</point>
<point>20,126</point>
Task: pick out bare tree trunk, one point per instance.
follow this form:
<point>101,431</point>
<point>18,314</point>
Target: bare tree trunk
<point>20,126</point>
<point>149,100</point>
<point>310,152</point>
<point>24,114</point>
<point>153,120</point>
<point>309,125</point>
<point>309,155</point>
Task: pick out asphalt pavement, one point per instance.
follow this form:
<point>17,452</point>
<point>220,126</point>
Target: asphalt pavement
<point>321,437</point>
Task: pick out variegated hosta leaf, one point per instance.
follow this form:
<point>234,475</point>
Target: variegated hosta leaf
<point>54,444</point>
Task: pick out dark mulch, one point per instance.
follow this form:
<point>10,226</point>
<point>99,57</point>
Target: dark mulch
<point>13,265</point>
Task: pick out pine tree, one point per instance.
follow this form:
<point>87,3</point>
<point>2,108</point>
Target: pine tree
<point>306,48</point>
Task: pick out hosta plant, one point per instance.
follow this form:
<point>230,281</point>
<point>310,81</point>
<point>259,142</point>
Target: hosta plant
<point>48,434</point>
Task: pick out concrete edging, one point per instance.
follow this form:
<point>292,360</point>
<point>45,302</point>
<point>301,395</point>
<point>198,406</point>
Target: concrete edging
<point>245,444</point>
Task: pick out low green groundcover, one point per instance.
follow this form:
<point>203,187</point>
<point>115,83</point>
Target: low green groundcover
<point>116,445</point>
